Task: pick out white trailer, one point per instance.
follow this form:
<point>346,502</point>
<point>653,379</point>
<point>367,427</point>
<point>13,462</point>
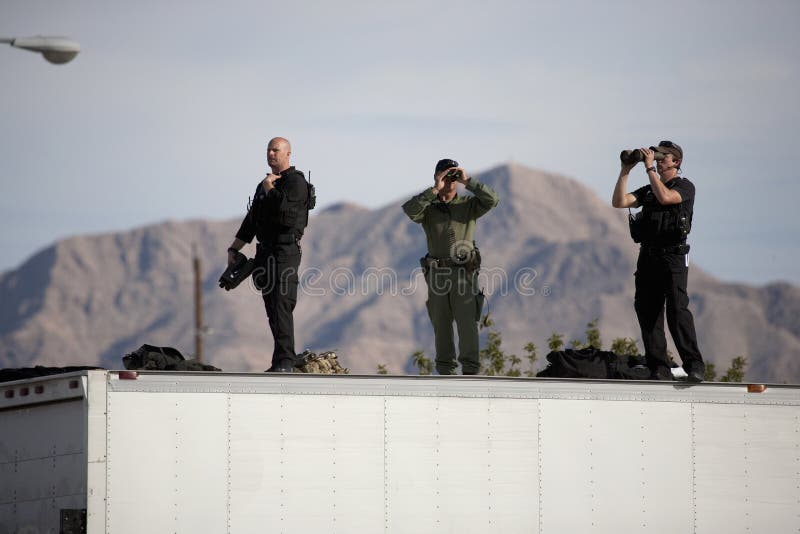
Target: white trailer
<point>125,452</point>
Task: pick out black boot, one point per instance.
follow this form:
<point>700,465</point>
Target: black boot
<point>283,366</point>
<point>696,371</point>
<point>662,372</point>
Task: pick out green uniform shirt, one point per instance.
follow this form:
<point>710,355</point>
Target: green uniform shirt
<point>449,223</point>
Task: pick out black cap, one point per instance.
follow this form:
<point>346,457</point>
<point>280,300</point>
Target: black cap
<point>668,147</point>
<point>446,164</point>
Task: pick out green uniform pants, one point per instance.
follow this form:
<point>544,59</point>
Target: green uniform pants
<point>452,297</point>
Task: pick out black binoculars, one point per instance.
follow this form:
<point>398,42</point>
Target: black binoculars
<point>237,272</point>
<point>452,175</point>
<point>629,157</point>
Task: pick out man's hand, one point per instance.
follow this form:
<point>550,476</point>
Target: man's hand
<point>649,157</point>
<point>269,182</point>
<point>439,180</point>
<point>626,167</point>
<point>234,249</point>
<point>462,176</point>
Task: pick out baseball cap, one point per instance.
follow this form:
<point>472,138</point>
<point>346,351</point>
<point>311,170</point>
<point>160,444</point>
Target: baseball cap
<point>668,147</point>
<point>445,164</point>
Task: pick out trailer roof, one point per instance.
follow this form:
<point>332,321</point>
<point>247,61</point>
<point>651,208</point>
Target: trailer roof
<point>73,385</point>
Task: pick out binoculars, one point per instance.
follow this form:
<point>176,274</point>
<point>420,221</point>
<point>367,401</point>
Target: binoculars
<point>629,157</point>
<point>236,273</point>
<point>452,175</point>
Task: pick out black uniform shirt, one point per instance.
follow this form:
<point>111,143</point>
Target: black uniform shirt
<point>654,211</point>
<point>280,211</point>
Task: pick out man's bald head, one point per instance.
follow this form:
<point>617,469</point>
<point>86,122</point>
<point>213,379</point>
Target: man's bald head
<point>282,141</point>
<point>278,152</point>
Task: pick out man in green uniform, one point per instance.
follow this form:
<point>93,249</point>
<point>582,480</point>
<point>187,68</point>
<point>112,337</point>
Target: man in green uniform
<point>452,263</point>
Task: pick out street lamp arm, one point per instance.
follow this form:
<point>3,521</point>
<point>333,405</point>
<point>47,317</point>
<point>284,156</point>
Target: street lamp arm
<point>56,50</point>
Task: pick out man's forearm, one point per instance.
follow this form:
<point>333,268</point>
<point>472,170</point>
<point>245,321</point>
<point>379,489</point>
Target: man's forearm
<point>663,194</point>
<point>620,190</point>
<point>485,194</point>
<point>237,244</point>
<point>415,207</point>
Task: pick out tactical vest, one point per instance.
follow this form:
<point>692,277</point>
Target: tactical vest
<point>661,225</point>
<point>292,221</point>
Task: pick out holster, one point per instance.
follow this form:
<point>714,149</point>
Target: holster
<point>428,262</point>
<point>473,264</point>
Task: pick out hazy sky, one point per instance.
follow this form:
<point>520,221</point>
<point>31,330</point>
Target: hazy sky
<point>166,112</point>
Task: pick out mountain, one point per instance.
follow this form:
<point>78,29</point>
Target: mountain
<point>555,257</point>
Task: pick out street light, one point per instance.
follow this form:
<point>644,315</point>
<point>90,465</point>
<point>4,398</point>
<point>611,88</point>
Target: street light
<point>56,50</point>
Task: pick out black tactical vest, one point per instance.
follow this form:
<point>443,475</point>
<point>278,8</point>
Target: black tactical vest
<point>291,219</point>
<point>661,225</point>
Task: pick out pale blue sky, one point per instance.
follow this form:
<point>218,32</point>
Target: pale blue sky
<point>166,111</point>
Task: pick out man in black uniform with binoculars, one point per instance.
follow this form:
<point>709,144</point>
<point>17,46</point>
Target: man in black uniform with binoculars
<point>663,265</point>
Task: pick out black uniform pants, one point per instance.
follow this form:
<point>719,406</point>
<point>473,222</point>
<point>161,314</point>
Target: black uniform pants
<point>661,281</point>
<point>277,278</point>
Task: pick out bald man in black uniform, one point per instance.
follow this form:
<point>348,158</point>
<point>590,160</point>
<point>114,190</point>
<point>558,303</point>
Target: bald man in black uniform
<point>277,218</point>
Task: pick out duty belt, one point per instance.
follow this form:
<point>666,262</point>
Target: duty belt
<point>281,239</point>
<point>660,251</point>
<point>444,262</point>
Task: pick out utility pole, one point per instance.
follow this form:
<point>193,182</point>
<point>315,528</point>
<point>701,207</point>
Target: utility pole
<point>198,306</point>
